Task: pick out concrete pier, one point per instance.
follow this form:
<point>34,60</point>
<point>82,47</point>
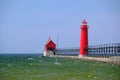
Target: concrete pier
<point>114,59</point>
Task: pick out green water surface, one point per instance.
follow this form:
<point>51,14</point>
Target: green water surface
<point>49,68</point>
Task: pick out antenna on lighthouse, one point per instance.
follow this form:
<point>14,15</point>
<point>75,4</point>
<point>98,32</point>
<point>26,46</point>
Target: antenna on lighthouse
<point>57,41</point>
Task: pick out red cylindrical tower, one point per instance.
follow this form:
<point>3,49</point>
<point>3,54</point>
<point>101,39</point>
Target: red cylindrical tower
<point>84,38</point>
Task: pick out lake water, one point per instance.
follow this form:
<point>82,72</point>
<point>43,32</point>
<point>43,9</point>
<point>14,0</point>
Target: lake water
<point>22,54</point>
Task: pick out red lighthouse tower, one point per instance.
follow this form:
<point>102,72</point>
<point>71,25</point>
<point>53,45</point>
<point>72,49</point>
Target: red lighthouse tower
<point>84,38</point>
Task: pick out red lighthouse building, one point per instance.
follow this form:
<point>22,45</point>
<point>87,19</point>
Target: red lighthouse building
<point>84,38</point>
<point>50,48</point>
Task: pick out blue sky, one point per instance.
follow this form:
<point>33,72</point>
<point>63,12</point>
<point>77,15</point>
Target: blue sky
<point>25,25</point>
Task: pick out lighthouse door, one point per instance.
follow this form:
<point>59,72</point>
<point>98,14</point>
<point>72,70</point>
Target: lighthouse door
<point>52,50</point>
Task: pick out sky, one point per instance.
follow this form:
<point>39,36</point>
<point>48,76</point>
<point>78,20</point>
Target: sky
<point>25,25</point>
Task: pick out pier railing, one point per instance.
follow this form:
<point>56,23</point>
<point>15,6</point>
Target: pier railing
<point>68,51</point>
<point>104,50</point>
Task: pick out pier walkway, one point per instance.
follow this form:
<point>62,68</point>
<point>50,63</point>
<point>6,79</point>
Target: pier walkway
<point>114,59</point>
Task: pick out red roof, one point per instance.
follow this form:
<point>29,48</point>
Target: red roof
<point>49,42</point>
